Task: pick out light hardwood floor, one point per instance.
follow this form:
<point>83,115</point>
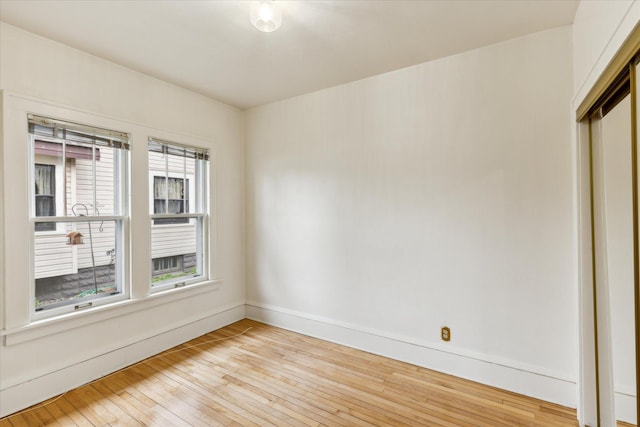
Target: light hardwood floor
<point>269,376</point>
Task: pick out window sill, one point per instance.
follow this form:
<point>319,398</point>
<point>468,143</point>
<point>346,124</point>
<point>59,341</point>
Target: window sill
<point>66,322</point>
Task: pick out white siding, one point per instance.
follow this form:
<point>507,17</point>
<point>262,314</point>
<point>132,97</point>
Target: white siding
<point>179,239</point>
<point>170,240</point>
<point>53,256</point>
<point>157,163</point>
<point>103,241</point>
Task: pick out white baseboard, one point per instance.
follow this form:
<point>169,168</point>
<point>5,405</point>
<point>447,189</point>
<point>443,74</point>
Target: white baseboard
<point>625,406</point>
<point>519,378</point>
<point>25,394</point>
<point>529,382</point>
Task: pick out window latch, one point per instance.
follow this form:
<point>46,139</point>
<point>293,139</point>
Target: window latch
<point>82,306</point>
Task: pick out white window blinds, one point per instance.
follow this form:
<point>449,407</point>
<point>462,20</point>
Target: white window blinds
<point>166,147</point>
<point>53,128</point>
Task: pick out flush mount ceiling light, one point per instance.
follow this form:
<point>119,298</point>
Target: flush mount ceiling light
<point>266,15</point>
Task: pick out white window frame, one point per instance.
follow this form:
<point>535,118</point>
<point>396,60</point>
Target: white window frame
<point>199,205</point>
<point>121,186</point>
<point>16,323</point>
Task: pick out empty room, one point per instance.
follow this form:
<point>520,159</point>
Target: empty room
<point>319,213</point>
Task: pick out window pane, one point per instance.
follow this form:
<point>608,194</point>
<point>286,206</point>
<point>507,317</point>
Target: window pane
<point>177,198</point>
<point>175,206</point>
<point>175,252</point>
<point>89,178</point>
<point>45,180</point>
<point>78,265</point>
<point>95,186</point>
<point>176,188</point>
<point>79,181</point>
<point>168,264</point>
<point>45,194</point>
<point>45,206</point>
<point>106,181</point>
<point>159,188</point>
<point>177,183</point>
<point>159,206</point>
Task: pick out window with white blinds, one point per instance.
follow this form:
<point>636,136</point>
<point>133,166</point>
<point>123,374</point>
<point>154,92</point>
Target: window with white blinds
<point>178,207</point>
<point>79,209</point>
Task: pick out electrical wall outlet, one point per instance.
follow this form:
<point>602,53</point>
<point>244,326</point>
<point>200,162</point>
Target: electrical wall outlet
<point>445,333</point>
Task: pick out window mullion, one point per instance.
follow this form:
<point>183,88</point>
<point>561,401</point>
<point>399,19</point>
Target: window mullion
<point>166,180</point>
<point>198,165</point>
<point>64,178</point>
<point>95,181</point>
<point>185,188</point>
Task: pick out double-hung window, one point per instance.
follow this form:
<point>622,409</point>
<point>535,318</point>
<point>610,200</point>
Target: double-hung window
<point>178,205</point>
<point>79,182</point>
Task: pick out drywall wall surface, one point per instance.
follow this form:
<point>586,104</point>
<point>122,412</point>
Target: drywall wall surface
<point>41,360</point>
<point>435,195</point>
<point>599,29</point>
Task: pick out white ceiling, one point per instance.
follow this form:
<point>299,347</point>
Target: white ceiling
<point>210,46</point>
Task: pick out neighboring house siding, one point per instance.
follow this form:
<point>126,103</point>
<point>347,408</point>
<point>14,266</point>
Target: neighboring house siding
<point>156,163</point>
<point>104,240</point>
<point>170,240</point>
<point>55,258</point>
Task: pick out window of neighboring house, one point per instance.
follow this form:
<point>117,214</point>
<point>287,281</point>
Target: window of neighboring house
<point>80,182</point>
<point>45,195</point>
<point>167,264</point>
<point>178,204</point>
<point>170,195</point>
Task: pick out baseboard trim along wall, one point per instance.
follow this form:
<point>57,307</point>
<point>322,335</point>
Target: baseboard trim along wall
<point>625,404</point>
<point>25,394</point>
<point>507,375</point>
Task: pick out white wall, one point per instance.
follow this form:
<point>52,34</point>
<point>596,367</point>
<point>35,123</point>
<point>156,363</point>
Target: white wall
<point>42,359</point>
<point>377,211</point>
<point>440,194</point>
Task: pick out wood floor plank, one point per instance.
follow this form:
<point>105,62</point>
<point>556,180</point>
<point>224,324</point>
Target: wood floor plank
<point>251,374</point>
<point>19,420</point>
<point>58,414</point>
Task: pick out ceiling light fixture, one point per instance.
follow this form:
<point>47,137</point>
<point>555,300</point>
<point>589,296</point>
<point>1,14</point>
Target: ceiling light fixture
<point>266,15</point>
